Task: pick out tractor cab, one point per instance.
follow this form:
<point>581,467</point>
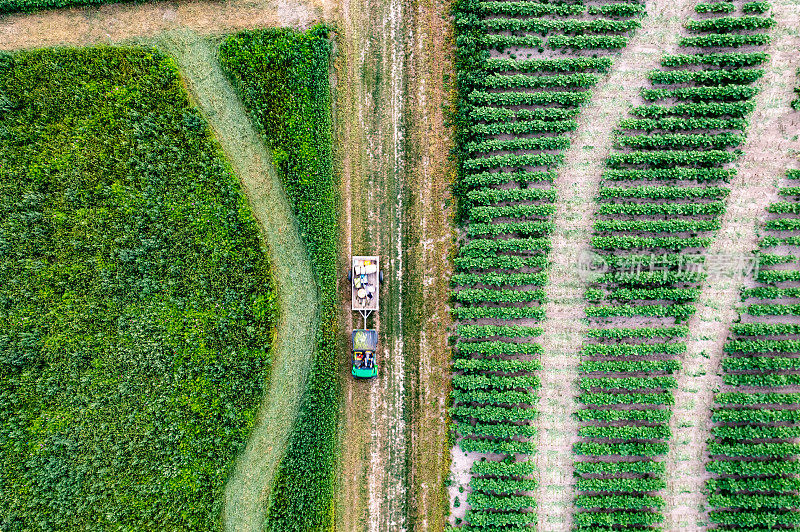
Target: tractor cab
<point>365,343</point>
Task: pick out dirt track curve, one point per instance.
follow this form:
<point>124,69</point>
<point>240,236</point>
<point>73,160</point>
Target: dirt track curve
<point>577,185</point>
<point>247,491</point>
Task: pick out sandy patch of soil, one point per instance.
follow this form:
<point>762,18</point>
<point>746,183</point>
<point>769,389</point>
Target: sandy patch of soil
<point>131,22</point>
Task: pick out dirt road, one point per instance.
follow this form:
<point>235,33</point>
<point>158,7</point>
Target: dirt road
<point>393,164</point>
<point>370,143</point>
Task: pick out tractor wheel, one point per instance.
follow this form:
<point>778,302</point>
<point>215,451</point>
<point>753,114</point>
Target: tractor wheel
<point>380,276</point>
<point>350,276</point>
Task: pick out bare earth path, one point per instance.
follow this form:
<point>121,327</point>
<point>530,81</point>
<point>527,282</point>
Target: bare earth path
<point>430,244</point>
<point>122,22</point>
<point>577,183</point>
<point>392,151</point>
<point>772,135</point>
<point>246,492</point>
<point>370,137</point>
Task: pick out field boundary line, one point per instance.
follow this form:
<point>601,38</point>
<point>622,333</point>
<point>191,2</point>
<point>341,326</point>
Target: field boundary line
<point>766,157</point>
<point>247,490</point>
<point>577,183</point>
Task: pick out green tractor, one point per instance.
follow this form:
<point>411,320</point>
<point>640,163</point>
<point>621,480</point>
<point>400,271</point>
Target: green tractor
<point>365,344</point>
<point>365,278</point>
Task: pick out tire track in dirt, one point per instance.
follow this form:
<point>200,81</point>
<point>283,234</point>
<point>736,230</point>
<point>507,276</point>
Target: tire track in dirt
<point>116,23</point>
<point>770,140</point>
<point>388,475</point>
<point>247,490</point>
<point>431,239</point>
<point>577,183</point>
<point>373,475</point>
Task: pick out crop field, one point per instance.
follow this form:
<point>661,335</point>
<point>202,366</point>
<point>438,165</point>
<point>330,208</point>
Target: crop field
<point>137,302</point>
<point>587,218</point>
<point>290,77</point>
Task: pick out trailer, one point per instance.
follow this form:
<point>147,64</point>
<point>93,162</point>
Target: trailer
<point>365,277</point>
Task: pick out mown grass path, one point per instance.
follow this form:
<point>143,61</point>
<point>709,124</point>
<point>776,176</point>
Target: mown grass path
<point>767,154</point>
<point>577,183</point>
<point>247,491</point>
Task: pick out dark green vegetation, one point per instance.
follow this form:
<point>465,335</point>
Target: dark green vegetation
<point>12,6</point>
<point>754,450</point>
<point>136,307</point>
<point>660,202</point>
<point>282,76</point>
<point>506,199</point>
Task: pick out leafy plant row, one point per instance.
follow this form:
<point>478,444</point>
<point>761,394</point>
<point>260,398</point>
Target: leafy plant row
<point>755,432</point>
<point>516,107</point>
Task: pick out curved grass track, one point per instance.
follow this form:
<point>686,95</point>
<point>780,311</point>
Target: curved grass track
<point>248,488</point>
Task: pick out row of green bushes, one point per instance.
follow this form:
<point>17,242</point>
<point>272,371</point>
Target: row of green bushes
<point>506,200</point>
<point>761,424</point>
<point>649,236</point>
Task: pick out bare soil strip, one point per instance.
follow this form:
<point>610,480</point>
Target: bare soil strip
<point>577,183</point>
<point>247,491</point>
<point>771,139</point>
<point>370,138</point>
<point>115,23</point>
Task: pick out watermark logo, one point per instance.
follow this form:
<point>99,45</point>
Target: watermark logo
<point>590,265</point>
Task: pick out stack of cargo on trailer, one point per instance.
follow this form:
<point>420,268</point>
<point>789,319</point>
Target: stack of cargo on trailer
<point>365,277</point>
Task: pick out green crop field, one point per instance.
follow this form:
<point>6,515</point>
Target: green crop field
<point>282,76</point>
<point>136,305</point>
<point>587,215</point>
